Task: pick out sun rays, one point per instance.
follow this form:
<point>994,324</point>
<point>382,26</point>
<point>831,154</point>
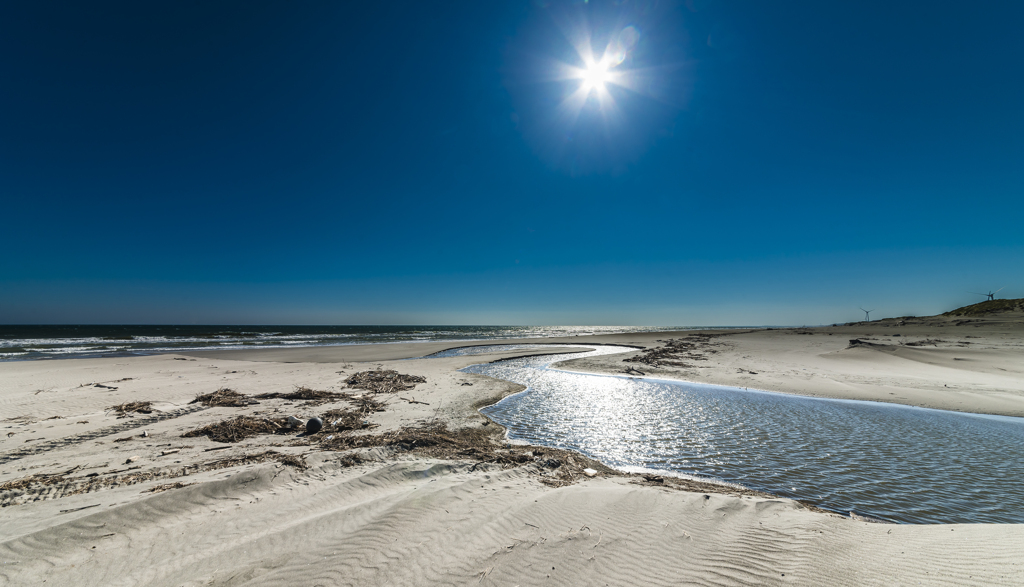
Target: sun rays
<point>594,88</point>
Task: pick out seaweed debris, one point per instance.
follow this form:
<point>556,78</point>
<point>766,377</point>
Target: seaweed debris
<point>166,486</point>
<point>36,479</point>
<point>384,381</point>
<point>125,410</point>
<point>224,397</point>
<point>343,421</point>
<point>676,352</point>
<point>480,444</point>
<point>240,428</point>
<point>365,404</point>
<point>313,397</point>
<point>927,342</point>
<point>433,440</point>
<point>698,486</point>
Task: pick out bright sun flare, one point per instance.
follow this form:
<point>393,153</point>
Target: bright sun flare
<point>595,76</point>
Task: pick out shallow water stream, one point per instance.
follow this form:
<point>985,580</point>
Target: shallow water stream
<point>896,463</point>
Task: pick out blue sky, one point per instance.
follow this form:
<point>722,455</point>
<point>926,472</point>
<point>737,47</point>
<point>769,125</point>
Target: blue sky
<point>419,163</point>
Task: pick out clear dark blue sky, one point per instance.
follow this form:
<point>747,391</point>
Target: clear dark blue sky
<point>418,162</point>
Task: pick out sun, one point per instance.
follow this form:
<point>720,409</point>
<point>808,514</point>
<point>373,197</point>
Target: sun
<point>595,76</point>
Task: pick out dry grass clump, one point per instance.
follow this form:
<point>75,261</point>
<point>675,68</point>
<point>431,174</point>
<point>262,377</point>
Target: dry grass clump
<point>313,397</point>
<point>384,381</point>
<point>127,409</point>
<point>224,398</point>
<point>241,428</point>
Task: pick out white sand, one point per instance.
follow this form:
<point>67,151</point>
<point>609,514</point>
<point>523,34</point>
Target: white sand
<point>402,519</point>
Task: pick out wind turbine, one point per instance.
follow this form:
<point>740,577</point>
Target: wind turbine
<point>991,294</point>
<point>867,314</point>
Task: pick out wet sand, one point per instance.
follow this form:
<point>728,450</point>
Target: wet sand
<point>403,517</point>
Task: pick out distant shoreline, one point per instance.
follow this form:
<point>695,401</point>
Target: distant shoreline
<point>73,341</point>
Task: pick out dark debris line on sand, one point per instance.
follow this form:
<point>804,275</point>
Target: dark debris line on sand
<point>384,381</point>
<point>225,398</point>
<point>480,444</point>
<point>674,352</point>
<point>343,432</point>
<point>312,397</point>
<point>125,410</point>
<point>339,421</point>
<point>240,428</point>
<point>336,421</point>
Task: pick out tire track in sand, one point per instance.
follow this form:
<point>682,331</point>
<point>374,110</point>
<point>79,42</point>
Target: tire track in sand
<point>58,443</point>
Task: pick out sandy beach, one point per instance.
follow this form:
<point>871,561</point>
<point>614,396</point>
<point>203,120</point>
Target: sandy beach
<point>91,498</point>
<point>517,294</point>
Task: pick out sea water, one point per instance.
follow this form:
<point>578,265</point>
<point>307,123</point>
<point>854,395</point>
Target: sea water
<point>82,341</point>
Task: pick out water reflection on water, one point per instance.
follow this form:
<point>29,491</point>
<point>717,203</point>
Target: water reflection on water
<point>897,463</point>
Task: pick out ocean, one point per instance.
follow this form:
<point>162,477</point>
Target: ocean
<point>32,342</point>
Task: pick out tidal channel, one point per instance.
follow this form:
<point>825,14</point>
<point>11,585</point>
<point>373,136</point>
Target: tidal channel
<point>895,463</point>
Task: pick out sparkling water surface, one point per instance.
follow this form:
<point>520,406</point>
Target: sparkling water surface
<point>29,342</point>
<point>892,462</point>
